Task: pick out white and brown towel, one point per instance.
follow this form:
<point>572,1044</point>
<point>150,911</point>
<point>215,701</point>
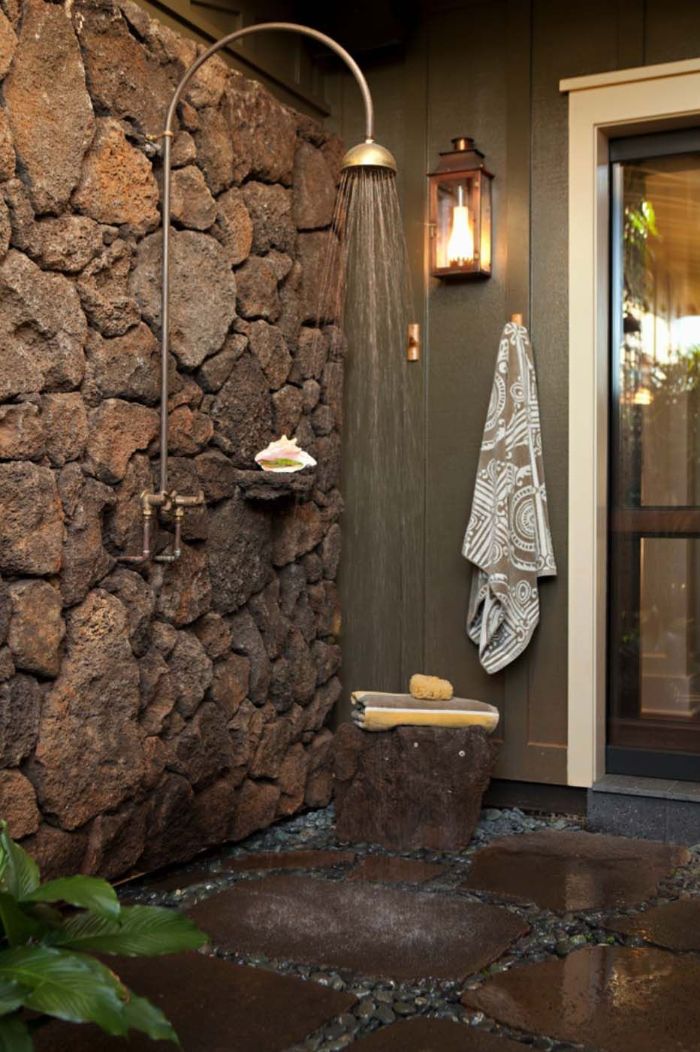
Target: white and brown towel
<point>508,537</point>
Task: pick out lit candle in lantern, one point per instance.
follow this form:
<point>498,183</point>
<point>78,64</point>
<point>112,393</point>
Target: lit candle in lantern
<point>460,247</point>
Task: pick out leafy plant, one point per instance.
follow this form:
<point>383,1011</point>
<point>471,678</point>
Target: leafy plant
<point>45,966</point>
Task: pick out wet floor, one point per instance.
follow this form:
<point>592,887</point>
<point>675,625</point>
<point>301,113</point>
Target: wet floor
<point>547,937</point>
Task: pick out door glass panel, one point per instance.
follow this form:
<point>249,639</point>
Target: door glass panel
<point>654,551</point>
<point>668,628</point>
<point>659,361</point>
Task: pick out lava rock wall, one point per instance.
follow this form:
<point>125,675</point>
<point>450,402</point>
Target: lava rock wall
<point>146,714</point>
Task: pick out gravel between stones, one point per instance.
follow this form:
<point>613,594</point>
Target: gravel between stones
<point>380,1003</point>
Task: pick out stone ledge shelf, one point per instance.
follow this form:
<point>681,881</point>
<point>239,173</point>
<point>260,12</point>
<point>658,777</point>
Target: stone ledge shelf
<point>273,485</point>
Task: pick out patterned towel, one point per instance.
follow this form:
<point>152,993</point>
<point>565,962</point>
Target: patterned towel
<point>508,537</point>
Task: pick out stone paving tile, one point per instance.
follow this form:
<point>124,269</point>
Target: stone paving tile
<point>391,870</point>
<point>434,1035</point>
<point>612,999</point>
<point>568,871</point>
<point>179,880</point>
<point>214,1005</point>
<point>288,860</point>
<point>675,925</point>
<point>360,926</point>
<point>259,862</point>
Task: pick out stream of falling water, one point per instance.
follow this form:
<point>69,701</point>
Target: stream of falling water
<point>367,280</point>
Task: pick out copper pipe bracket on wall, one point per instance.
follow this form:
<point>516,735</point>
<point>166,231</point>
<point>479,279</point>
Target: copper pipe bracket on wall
<point>413,342</point>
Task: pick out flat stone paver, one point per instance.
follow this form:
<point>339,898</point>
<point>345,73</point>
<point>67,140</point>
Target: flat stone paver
<point>434,1035</point>
<point>675,925</point>
<point>569,871</point>
<point>257,863</point>
<point>390,870</point>
<point>267,860</point>
<point>612,999</point>
<point>180,881</point>
<point>371,930</point>
<point>214,1005</point>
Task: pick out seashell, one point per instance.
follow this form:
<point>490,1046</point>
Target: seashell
<point>284,454</point>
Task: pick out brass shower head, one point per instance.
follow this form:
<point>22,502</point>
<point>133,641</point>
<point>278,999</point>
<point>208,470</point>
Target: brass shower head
<point>368,154</point>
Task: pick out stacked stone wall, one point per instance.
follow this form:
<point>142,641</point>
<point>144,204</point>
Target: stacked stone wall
<point>146,714</point>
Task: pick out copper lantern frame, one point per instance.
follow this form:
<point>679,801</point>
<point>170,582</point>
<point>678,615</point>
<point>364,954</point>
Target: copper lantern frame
<point>460,214</point>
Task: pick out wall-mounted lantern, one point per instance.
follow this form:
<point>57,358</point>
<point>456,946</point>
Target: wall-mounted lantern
<point>460,213</point>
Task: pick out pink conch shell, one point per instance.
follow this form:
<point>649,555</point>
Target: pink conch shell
<point>284,455</point>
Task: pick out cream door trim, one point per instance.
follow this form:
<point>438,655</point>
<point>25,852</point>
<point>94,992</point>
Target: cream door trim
<point>600,107</point>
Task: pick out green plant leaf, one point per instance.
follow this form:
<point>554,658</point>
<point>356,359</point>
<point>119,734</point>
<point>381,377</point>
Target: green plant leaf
<point>90,893</point>
<point>11,996</point>
<point>19,926</point>
<point>14,1035</point>
<point>20,873</point>
<point>142,1015</point>
<point>67,986</point>
<point>140,931</point>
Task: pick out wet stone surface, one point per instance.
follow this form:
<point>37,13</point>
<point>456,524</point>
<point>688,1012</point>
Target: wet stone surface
<point>312,860</point>
<point>612,998</point>
<point>449,1013</point>
<point>367,929</point>
<point>396,870</point>
<point>570,871</point>
<point>211,1004</point>
<point>676,925</point>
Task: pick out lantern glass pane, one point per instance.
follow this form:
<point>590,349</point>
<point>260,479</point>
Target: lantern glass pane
<point>485,261</point>
<point>455,248</point>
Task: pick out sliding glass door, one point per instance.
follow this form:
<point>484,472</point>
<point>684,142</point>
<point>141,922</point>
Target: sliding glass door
<point>654,505</point>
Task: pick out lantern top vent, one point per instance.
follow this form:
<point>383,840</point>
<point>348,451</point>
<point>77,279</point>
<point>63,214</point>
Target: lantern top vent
<point>463,157</point>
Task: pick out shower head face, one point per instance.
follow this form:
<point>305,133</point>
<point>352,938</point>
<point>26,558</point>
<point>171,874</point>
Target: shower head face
<point>368,154</point>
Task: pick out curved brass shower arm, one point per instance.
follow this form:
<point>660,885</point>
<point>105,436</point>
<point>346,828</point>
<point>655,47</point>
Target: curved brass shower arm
<point>281,27</point>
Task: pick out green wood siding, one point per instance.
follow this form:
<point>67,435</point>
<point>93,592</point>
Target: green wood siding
<point>489,69</point>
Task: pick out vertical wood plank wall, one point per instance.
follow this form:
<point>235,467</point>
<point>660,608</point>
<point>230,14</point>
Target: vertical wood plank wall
<point>489,69</point>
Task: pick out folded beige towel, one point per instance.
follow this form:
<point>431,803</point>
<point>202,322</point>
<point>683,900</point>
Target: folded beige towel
<point>377,699</point>
<point>430,687</point>
<point>380,712</point>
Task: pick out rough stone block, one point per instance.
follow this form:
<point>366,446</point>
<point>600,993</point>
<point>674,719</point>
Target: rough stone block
<point>199,273</point>
<point>37,628</point>
<point>314,186</point>
<point>117,184</point>
<point>21,432</point>
<point>52,128</point>
<point>18,804</point>
<point>31,520</point>
<point>411,787</point>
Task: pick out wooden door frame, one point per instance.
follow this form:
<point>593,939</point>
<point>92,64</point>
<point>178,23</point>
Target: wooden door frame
<point>601,106</point>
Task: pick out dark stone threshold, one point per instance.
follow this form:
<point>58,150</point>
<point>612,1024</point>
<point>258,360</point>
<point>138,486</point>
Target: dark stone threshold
<point>274,485</point>
<point>654,809</point>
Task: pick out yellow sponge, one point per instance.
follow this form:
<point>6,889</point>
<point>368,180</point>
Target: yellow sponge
<point>430,688</point>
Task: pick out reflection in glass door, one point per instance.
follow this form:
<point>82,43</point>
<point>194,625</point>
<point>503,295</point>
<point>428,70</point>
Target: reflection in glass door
<point>654,517</point>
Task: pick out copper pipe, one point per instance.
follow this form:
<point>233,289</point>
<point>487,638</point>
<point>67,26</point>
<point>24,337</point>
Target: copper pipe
<point>176,552</point>
<point>146,516</point>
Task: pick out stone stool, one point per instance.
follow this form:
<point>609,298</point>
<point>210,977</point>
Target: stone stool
<point>411,787</point>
